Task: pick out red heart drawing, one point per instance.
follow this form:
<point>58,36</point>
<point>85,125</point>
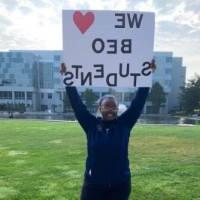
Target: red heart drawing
<point>83,22</point>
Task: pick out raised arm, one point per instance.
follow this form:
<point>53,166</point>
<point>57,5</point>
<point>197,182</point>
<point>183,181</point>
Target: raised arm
<point>130,116</point>
<point>84,117</point>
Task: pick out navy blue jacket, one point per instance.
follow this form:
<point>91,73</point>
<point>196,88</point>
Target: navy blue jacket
<point>107,141</point>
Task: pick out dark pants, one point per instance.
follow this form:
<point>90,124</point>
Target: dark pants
<point>111,192</point>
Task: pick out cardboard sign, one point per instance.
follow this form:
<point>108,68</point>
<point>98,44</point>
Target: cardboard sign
<point>108,48</point>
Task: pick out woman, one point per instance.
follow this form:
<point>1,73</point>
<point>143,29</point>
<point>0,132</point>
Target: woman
<point>107,172</point>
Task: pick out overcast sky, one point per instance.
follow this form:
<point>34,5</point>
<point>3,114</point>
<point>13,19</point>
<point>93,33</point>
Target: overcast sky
<point>36,24</point>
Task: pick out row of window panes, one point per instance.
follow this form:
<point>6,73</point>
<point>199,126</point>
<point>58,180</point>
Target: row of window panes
<point>49,95</point>
<point>5,95</point>
<point>18,95</point>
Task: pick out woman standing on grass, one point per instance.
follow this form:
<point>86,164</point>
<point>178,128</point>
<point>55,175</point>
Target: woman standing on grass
<point>107,173</point>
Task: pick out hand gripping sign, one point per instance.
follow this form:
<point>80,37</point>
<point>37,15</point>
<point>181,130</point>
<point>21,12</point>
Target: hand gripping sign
<point>108,48</point>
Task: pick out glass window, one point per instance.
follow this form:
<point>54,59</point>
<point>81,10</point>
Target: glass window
<point>60,95</point>
<point>8,65</point>
<point>17,60</point>
<point>46,75</point>
<point>18,54</point>
<point>168,70</point>
<point>44,107</point>
<point>11,76</point>
<point>5,95</point>
<point>168,59</point>
<point>19,95</point>
<point>26,65</point>
<point>29,95</point>
<point>2,59</point>
<point>49,96</point>
<point>7,81</point>
<point>9,54</point>
<point>5,70</point>
<point>2,76</point>
<point>42,95</point>
<point>57,58</point>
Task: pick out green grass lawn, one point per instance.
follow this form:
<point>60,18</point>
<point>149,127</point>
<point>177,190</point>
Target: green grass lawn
<point>41,160</point>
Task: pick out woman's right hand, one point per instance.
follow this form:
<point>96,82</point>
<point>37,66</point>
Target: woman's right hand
<point>153,65</point>
<point>63,69</point>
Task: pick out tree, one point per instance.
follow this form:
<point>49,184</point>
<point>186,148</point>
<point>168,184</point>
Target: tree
<point>190,96</point>
<point>22,108</point>
<point>157,97</point>
<point>89,97</point>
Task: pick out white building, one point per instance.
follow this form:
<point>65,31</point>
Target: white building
<point>32,78</point>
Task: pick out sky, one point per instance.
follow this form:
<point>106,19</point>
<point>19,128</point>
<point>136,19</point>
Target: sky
<point>37,24</point>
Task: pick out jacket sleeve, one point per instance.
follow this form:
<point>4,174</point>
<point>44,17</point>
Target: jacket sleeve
<point>130,116</point>
<point>84,117</point>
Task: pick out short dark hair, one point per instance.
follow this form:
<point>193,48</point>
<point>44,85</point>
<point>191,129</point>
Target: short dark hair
<point>107,96</point>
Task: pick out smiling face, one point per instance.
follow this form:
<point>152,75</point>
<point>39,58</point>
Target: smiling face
<point>108,108</point>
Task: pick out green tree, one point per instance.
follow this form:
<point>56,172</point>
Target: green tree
<point>157,97</point>
<point>21,107</point>
<point>89,97</point>
<point>190,96</point>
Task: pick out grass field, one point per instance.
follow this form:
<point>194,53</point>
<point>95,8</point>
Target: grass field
<point>41,160</point>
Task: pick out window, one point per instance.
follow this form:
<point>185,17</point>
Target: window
<point>57,58</point>
<point>46,72</point>
<point>11,76</point>
<point>2,59</point>
<point>8,65</point>
<point>19,95</point>
<point>49,96</point>
<point>2,76</point>
<point>168,71</point>
<point>26,65</point>
<point>18,54</point>
<point>8,81</point>
<point>17,60</point>
<point>168,59</point>
<point>29,95</point>
<point>9,54</point>
<point>59,95</point>
<point>44,107</point>
<point>5,70</point>
<point>5,95</point>
<point>42,95</point>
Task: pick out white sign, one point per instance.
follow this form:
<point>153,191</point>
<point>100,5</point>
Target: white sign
<point>108,48</point>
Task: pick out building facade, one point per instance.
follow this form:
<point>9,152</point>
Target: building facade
<point>32,78</point>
